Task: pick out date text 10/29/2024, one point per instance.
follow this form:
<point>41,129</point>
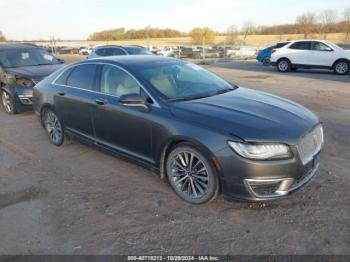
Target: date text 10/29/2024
<point>173,258</point>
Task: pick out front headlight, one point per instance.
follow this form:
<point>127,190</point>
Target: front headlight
<point>24,82</point>
<point>21,81</point>
<point>270,151</point>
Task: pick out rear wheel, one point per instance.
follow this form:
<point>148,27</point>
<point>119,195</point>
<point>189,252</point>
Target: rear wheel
<point>8,103</point>
<point>284,65</point>
<point>266,61</point>
<point>342,67</point>
<point>191,175</point>
<point>53,127</point>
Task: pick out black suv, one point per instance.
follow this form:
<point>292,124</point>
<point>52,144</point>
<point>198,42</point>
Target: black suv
<point>21,67</point>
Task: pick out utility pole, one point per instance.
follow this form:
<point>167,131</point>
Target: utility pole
<point>203,46</point>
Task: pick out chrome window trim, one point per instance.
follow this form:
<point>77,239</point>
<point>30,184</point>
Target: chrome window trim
<point>155,103</point>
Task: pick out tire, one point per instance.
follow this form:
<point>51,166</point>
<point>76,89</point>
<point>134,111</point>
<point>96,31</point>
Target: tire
<point>8,103</point>
<point>53,127</point>
<point>284,65</point>
<point>266,61</point>
<point>342,67</point>
<point>191,175</point>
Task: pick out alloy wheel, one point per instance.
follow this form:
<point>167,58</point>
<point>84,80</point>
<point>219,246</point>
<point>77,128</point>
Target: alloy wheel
<point>283,66</point>
<point>6,101</point>
<point>53,128</point>
<point>342,68</point>
<point>189,174</point>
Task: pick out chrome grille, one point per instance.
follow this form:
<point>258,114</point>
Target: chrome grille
<point>311,144</point>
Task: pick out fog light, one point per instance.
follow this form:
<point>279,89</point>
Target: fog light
<point>268,188</point>
<point>25,99</point>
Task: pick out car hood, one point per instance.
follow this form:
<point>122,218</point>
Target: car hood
<point>34,72</point>
<point>250,115</point>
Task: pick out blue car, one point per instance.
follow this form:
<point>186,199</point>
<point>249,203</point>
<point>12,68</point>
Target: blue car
<point>264,55</point>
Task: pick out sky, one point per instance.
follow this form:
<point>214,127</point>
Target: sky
<point>77,19</point>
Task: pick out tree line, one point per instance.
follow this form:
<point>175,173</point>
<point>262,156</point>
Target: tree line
<point>122,34</point>
<point>327,21</point>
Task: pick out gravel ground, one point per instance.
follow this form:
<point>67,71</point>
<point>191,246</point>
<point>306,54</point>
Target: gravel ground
<point>77,200</point>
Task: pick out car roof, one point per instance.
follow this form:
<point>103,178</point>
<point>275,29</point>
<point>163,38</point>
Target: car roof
<point>17,46</point>
<point>309,40</point>
<point>119,46</point>
<point>132,60</point>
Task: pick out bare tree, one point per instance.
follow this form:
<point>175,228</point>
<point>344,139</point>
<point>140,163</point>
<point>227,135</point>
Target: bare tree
<point>232,34</point>
<point>248,28</point>
<point>347,22</point>
<point>306,24</point>
<point>328,19</point>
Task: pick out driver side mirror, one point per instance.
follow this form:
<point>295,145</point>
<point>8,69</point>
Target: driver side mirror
<point>134,100</point>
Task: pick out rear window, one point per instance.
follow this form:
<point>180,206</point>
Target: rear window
<point>280,45</point>
<point>301,45</point>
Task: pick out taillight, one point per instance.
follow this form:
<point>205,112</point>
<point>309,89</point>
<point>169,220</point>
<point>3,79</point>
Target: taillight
<point>273,51</point>
<point>259,52</point>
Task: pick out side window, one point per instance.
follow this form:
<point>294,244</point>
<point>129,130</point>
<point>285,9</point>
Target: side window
<point>318,46</point>
<point>305,45</point>
<point>82,76</point>
<point>114,51</point>
<point>101,51</point>
<point>62,80</point>
<point>117,82</point>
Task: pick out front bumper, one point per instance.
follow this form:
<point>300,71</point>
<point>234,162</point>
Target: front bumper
<point>23,99</point>
<point>264,189</point>
<point>263,180</point>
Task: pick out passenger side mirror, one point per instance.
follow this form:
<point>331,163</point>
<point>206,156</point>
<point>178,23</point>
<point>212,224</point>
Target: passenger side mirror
<point>60,60</point>
<point>328,49</point>
<point>134,100</point>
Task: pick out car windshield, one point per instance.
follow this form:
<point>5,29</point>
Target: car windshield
<point>137,51</point>
<point>177,80</point>
<point>26,57</point>
<point>335,46</point>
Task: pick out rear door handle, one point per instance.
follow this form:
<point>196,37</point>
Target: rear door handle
<point>61,93</point>
<point>101,102</point>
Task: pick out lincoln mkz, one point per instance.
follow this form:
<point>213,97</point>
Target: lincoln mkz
<point>205,135</point>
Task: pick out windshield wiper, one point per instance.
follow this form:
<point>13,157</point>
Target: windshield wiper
<point>223,91</point>
<point>186,98</point>
<point>43,64</point>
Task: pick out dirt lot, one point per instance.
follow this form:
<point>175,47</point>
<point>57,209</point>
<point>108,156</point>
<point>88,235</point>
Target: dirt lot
<point>77,200</point>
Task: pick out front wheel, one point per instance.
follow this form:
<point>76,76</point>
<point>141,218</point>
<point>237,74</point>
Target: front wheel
<point>191,175</point>
<point>53,128</point>
<point>342,67</point>
<point>284,65</point>
<point>8,103</point>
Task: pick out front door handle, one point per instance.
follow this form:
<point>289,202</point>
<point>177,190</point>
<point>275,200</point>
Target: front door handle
<point>61,93</point>
<point>101,102</point>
